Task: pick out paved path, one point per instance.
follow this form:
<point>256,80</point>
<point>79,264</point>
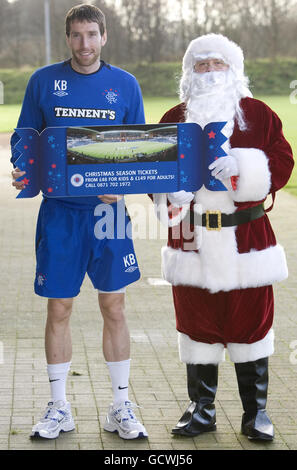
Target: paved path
<point>157,376</point>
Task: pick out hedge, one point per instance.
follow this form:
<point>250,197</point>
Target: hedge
<point>161,79</point>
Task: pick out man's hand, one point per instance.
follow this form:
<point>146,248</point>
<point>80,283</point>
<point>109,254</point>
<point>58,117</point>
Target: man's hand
<point>110,198</point>
<point>180,198</point>
<point>224,167</point>
<point>17,173</point>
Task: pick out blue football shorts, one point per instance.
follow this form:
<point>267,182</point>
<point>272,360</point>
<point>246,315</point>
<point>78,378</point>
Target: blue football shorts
<point>68,247</point>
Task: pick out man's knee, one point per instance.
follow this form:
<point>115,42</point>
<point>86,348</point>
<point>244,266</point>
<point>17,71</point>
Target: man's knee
<point>59,310</point>
<point>112,307</point>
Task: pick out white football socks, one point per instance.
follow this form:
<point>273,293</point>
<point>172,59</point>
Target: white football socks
<point>57,374</point>
<point>119,374</point>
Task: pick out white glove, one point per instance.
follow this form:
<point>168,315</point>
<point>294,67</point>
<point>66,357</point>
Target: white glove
<point>180,198</point>
<point>224,167</point>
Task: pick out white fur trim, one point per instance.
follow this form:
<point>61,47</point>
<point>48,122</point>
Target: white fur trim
<point>214,43</point>
<point>161,210</point>
<point>209,55</point>
<point>177,219</point>
<point>194,352</point>
<point>252,352</point>
<point>254,179</point>
<point>233,271</point>
<point>259,268</point>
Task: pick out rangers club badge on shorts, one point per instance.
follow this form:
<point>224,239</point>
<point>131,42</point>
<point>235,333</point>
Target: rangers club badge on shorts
<point>40,278</point>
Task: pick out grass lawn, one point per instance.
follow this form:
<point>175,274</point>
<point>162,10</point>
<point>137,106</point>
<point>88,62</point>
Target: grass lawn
<point>9,114</point>
<point>155,107</point>
<point>120,149</point>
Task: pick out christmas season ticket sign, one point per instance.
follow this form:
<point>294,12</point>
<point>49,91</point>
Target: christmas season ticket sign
<point>127,159</point>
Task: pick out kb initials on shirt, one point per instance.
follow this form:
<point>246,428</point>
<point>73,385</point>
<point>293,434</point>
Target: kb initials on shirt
<point>60,85</point>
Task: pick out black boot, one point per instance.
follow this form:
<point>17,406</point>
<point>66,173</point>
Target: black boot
<point>252,380</point>
<point>200,416</point>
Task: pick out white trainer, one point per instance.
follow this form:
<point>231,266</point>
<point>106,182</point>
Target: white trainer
<point>57,418</point>
<point>121,419</point>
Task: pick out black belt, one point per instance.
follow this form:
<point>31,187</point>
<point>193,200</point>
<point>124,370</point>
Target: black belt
<point>215,220</point>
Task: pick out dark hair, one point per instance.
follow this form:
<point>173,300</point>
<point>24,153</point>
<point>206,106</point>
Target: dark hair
<point>84,12</point>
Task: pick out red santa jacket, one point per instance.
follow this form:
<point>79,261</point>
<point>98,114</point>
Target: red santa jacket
<point>246,255</point>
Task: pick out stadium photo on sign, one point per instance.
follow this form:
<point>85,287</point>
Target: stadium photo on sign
<point>121,144</point>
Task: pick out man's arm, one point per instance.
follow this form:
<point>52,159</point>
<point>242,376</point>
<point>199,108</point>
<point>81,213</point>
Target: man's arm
<point>135,113</point>
<point>264,160</point>
<point>278,150</point>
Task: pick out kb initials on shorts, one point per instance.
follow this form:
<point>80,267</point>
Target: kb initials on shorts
<point>129,260</point>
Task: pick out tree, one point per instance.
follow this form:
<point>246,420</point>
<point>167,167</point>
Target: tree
<point>151,31</point>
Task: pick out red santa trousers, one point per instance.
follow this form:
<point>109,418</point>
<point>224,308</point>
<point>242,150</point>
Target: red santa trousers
<point>237,316</point>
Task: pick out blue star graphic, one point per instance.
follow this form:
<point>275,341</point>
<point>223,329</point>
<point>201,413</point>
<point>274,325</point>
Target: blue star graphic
<point>50,139</point>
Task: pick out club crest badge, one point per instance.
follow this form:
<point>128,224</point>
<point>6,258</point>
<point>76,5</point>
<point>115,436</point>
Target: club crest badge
<point>40,278</point>
<point>77,180</point>
<point>111,95</point>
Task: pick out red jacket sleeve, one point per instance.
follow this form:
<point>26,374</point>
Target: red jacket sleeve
<point>277,149</point>
<point>265,133</point>
<point>176,114</point>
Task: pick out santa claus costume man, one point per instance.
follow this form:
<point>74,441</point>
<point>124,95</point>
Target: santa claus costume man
<point>222,286</point>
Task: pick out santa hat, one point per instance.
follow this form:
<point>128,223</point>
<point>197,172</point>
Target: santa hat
<point>216,46</point>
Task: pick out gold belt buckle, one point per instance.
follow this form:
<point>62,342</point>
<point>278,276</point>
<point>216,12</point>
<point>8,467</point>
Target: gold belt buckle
<point>219,220</point>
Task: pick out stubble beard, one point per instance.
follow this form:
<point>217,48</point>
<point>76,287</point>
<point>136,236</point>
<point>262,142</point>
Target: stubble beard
<point>87,61</point>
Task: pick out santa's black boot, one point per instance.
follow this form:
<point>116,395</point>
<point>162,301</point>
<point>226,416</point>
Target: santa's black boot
<point>252,380</point>
<point>200,416</point>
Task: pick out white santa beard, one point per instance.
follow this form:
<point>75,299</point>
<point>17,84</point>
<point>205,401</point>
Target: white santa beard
<point>217,250</point>
<point>213,96</point>
<point>217,106</point>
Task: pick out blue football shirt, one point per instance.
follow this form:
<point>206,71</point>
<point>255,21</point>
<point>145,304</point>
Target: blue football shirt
<point>57,95</point>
